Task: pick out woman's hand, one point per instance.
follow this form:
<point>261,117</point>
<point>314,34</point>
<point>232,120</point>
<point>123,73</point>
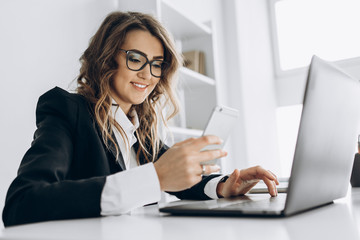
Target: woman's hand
<point>241,181</point>
<point>180,167</point>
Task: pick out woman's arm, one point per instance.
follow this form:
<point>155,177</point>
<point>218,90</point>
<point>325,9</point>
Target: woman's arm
<point>43,190</point>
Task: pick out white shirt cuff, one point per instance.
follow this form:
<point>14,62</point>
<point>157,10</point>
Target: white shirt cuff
<point>130,189</point>
<point>210,187</point>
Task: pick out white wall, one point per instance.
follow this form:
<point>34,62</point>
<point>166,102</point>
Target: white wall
<point>40,44</point>
<point>251,77</point>
<point>199,10</point>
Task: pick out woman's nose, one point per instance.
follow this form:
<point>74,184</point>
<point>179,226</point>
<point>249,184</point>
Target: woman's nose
<point>145,72</point>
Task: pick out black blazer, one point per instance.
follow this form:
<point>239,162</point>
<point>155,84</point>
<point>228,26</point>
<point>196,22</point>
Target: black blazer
<point>63,173</point>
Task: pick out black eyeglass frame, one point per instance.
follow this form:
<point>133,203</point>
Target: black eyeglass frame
<point>163,66</point>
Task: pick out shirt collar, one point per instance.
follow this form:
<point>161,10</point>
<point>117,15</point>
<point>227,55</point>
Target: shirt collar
<point>121,118</point>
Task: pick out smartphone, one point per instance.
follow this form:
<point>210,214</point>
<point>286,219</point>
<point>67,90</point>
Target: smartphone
<point>221,123</point>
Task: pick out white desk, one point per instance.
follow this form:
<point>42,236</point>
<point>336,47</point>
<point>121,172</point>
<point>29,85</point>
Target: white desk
<point>340,220</point>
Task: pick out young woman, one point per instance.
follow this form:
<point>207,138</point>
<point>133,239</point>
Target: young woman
<point>97,152</point>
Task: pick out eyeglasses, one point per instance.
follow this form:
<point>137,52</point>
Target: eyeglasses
<point>136,61</point>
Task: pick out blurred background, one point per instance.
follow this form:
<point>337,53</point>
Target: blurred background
<point>252,55</point>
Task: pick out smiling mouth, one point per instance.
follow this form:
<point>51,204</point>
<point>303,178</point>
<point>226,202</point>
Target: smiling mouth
<point>139,85</point>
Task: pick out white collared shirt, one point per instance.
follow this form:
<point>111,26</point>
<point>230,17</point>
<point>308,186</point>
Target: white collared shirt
<point>127,190</point>
<point>129,128</point>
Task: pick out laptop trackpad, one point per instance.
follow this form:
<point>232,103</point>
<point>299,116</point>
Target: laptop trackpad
<point>248,204</point>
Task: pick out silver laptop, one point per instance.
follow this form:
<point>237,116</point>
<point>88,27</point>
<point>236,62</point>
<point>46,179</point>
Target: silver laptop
<point>323,156</point>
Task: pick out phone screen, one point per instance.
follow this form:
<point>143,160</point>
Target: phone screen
<point>221,124</point>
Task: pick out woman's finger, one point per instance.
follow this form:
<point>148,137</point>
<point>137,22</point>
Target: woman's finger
<point>271,186</point>
<point>210,155</point>
<point>257,173</point>
<point>186,141</point>
<point>276,180</point>
<point>204,141</point>
<point>246,186</point>
<point>264,173</point>
<point>208,169</point>
<point>275,188</point>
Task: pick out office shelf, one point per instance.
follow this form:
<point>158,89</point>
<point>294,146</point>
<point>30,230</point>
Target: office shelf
<point>182,26</point>
<point>186,131</point>
<point>194,79</point>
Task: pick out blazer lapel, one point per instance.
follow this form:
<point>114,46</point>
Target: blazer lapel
<point>112,148</point>
<point>141,157</point>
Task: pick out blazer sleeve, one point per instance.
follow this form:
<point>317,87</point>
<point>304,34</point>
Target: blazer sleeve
<point>196,192</point>
<point>41,191</point>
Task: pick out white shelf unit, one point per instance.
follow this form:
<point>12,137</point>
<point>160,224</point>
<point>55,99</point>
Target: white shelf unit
<point>197,92</point>
<point>184,26</point>
<point>190,132</point>
<point>194,79</point>
<point>179,134</point>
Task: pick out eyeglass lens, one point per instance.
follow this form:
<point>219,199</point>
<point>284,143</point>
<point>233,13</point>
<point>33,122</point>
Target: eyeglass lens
<point>137,61</point>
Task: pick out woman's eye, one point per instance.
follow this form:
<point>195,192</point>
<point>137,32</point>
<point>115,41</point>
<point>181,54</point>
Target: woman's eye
<point>157,65</point>
<point>134,59</point>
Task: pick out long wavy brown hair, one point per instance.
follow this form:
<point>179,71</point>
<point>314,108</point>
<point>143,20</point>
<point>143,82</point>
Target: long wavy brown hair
<point>99,65</point>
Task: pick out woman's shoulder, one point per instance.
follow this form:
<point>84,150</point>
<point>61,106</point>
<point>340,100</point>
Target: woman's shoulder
<point>61,102</point>
<point>59,94</point>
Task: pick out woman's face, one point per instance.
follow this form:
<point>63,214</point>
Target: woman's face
<point>133,87</point>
